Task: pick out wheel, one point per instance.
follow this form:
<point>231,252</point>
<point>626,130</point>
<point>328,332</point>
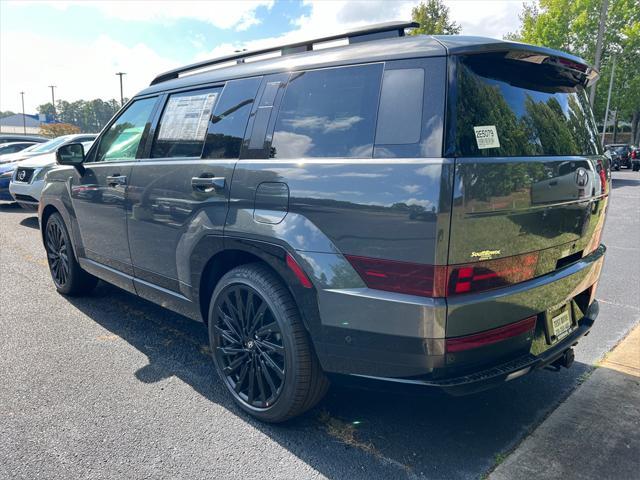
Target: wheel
<point>260,348</point>
<point>68,277</point>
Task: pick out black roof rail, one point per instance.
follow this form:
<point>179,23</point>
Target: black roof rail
<point>362,34</point>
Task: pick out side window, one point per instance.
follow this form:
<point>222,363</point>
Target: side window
<point>229,119</point>
<point>400,115</point>
<point>411,114</point>
<point>184,122</point>
<point>121,141</point>
<point>329,113</point>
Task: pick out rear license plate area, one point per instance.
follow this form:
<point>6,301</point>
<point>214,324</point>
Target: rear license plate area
<point>559,323</point>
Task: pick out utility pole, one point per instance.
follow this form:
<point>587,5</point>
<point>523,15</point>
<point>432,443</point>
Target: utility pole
<point>24,120</point>
<point>53,101</point>
<point>601,25</point>
<point>606,112</point>
<point>120,74</point>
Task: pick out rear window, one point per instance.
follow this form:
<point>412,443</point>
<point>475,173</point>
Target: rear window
<point>504,107</point>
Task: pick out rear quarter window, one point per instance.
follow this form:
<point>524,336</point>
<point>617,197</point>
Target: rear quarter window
<point>329,113</point>
<point>534,109</point>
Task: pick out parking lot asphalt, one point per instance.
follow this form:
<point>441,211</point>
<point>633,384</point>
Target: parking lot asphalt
<point>111,386</point>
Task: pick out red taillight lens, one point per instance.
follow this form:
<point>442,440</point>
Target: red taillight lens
<point>442,280</point>
<point>402,277</point>
<point>603,176</point>
<point>490,274</point>
<point>489,337</point>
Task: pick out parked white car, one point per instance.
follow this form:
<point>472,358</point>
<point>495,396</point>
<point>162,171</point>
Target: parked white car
<point>28,177</point>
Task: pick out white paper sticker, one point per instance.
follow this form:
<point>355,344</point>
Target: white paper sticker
<point>187,118</point>
<point>487,137</point>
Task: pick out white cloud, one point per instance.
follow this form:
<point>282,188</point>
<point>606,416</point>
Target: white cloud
<point>80,71</point>
<point>411,188</point>
<point>30,61</point>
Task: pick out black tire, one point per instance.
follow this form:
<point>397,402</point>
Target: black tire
<point>269,352</point>
<point>68,277</point>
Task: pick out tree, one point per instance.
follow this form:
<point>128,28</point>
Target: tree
<point>53,130</point>
<point>571,25</point>
<point>433,17</point>
<point>89,116</point>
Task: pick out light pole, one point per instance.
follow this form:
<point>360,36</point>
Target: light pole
<point>53,101</point>
<point>606,112</point>
<point>120,74</point>
<point>24,120</point>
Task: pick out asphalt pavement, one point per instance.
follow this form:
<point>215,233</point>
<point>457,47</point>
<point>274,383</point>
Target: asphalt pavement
<point>112,386</point>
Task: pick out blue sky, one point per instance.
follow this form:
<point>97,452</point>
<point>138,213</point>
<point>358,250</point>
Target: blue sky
<point>79,46</point>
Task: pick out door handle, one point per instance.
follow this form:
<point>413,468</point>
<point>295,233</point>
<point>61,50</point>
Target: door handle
<point>208,184</point>
<point>115,180</point>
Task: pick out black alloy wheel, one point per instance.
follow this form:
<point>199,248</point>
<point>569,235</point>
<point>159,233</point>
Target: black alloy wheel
<point>57,254</point>
<point>250,349</point>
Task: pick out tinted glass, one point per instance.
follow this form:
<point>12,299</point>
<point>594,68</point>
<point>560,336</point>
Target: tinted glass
<point>184,122</point>
<point>329,113</point>
<point>400,115</point>
<point>121,141</point>
<point>229,119</point>
<point>535,109</point>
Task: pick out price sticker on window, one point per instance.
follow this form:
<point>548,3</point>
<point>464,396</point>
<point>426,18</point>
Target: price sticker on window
<point>487,137</point>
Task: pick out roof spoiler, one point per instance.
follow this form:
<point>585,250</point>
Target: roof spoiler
<point>362,34</point>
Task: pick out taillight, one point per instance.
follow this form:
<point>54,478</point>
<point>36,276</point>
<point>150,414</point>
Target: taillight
<point>459,344</point>
<point>490,274</point>
<point>603,176</point>
<point>402,277</point>
<point>298,272</point>
<point>443,280</point>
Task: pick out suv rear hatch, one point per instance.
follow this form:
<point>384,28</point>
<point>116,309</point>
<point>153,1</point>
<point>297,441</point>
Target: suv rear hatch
<point>531,185</point>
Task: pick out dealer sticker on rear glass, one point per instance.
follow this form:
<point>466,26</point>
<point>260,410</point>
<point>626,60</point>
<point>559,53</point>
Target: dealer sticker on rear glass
<point>487,137</point>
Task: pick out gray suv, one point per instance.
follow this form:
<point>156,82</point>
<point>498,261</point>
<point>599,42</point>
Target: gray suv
<point>423,210</point>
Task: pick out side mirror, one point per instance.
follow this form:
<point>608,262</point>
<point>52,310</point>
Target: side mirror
<point>72,155</point>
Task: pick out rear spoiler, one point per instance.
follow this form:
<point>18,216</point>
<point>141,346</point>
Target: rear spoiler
<point>522,52</point>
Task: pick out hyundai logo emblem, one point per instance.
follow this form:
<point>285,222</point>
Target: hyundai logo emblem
<point>581,177</point>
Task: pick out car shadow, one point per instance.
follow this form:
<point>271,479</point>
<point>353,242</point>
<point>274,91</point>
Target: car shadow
<point>31,222</point>
<point>408,433</point>
<point>11,207</point>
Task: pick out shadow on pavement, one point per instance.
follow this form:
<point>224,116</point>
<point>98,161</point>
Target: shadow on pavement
<point>434,435</point>
<point>625,182</point>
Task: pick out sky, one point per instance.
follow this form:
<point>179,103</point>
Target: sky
<point>79,46</point>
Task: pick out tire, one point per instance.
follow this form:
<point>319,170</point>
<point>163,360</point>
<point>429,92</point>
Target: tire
<point>68,277</point>
<point>265,359</point>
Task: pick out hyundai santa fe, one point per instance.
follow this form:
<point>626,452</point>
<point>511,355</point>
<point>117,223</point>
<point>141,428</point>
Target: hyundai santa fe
<point>423,210</point>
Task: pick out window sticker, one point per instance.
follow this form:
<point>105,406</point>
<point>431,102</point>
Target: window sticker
<point>487,137</point>
<point>187,117</point>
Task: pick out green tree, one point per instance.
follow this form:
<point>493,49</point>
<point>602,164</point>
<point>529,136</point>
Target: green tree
<point>433,17</point>
<point>90,116</point>
<point>571,25</point>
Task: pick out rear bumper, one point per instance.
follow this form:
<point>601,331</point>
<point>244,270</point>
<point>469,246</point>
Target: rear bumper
<point>504,372</point>
<point>402,338</point>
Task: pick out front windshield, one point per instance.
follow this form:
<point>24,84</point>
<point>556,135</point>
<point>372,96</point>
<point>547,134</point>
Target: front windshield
<point>49,146</point>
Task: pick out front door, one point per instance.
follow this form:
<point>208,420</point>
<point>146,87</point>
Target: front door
<point>99,193</point>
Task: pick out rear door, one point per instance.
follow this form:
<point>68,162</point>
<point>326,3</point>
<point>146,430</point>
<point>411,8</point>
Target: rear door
<point>529,175</point>
<point>180,191</point>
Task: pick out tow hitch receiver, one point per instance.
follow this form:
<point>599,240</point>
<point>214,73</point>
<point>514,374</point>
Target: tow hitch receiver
<point>565,360</point>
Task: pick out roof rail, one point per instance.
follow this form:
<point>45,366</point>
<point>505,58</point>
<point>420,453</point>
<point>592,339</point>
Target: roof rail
<point>362,34</point>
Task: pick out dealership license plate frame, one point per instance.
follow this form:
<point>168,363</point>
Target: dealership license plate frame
<point>559,323</point>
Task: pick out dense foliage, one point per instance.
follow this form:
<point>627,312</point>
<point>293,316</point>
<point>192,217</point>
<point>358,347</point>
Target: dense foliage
<point>90,116</point>
<point>572,25</point>
<point>433,17</point>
